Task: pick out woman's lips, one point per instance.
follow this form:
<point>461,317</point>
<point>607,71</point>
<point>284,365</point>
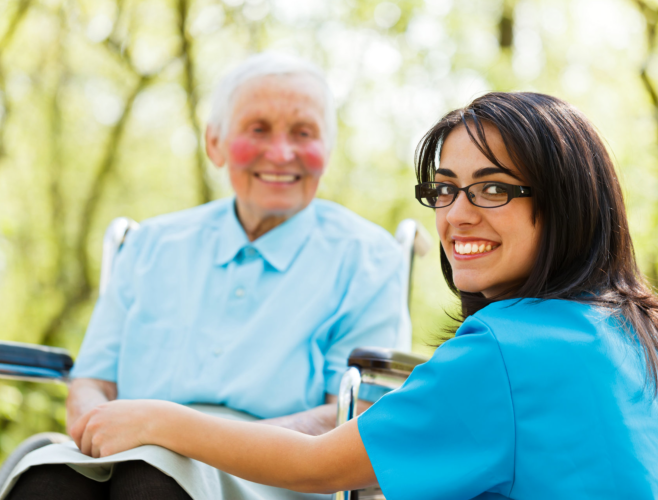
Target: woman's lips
<point>472,249</point>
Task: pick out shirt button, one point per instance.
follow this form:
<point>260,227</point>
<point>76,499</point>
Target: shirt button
<point>217,351</point>
<point>250,252</point>
<point>239,292</point>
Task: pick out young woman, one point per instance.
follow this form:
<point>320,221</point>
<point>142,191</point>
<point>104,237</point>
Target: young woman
<point>547,390</point>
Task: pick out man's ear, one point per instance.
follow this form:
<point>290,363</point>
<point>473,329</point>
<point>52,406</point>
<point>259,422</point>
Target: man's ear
<point>213,149</point>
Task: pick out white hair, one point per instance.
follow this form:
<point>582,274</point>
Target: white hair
<point>266,64</point>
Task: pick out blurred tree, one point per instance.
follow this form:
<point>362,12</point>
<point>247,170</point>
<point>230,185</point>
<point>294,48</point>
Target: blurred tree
<point>650,13</point>
<point>506,26</point>
<point>103,105</point>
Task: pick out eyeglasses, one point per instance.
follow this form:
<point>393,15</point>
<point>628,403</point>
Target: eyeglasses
<point>481,194</point>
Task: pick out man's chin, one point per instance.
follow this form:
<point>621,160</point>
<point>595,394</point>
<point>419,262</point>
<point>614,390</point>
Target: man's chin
<point>279,208</point>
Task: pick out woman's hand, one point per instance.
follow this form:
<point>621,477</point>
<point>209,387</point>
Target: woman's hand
<point>335,461</point>
<point>84,394</point>
<point>117,426</point>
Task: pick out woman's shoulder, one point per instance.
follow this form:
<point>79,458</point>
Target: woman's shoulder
<point>538,319</point>
<point>546,335</point>
<point>534,307</point>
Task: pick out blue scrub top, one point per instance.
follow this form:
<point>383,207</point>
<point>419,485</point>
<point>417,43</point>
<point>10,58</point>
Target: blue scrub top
<point>195,313</point>
<point>532,401</point>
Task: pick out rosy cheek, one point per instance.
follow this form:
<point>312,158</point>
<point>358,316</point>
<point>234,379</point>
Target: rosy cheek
<point>312,156</point>
<point>243,152</point>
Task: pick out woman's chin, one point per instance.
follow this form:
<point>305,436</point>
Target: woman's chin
<point>470,285</point>
<point>489,290</point>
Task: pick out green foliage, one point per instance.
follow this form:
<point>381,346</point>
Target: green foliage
<point>26,408</point>
<point>103,102</point>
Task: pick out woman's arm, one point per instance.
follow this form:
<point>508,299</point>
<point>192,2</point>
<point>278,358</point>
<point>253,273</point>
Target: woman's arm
<point>264,454</point>
<point>84,394</point>
<point>315,421</point>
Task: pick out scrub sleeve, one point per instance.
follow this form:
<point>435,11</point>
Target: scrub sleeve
<point>448,433</point>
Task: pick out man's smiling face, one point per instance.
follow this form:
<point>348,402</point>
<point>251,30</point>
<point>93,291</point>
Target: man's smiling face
<point>275,146</point>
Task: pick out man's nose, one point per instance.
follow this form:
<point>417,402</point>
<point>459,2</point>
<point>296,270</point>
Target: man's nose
<point>462,212</point>
<point>280,151</point>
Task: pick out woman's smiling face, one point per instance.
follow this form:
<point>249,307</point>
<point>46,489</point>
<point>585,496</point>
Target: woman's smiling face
<point>490,249</point>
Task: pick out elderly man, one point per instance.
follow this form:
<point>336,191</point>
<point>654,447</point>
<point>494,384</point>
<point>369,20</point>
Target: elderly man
<point>250,304</point>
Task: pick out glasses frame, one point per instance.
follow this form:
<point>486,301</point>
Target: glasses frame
<point>514,192</point>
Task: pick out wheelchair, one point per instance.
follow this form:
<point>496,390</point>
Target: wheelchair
<point>387,368</point>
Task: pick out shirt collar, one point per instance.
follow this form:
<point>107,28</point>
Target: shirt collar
<point>278,246</point>
<point>232,237</point>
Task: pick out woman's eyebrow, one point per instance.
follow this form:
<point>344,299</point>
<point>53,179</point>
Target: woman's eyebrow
<point>446,171</point>
<point>483,172</point>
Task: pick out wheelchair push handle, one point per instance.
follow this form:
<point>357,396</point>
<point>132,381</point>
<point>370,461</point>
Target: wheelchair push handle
<point>33,362</point>
<point>380,358</point>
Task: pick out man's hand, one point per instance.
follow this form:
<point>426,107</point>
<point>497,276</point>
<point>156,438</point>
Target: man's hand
<point>316,421</point>
<point>85,394</point>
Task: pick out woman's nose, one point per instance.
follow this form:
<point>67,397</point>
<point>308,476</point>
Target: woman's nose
<point>462,212</point>
<point>280,151</point>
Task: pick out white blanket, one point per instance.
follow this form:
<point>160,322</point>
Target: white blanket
<point>201,481</point>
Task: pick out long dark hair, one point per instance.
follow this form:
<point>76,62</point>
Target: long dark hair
<point>586,253</point>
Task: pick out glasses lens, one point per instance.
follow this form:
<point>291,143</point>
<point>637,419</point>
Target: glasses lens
<point>426,194</point>
<point>435,195</point>
<point>445,194</point>
<point>489,194</point>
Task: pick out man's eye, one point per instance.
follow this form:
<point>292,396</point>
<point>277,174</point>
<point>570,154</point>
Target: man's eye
<point>258,128</point>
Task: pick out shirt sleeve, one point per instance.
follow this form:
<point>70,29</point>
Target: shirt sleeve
<point>371,313</point>
<point>98,357</point>
<point>449,431</point>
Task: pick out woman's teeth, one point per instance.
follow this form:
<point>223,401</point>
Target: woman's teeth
<point>278,177</point>
<point>473,247</point>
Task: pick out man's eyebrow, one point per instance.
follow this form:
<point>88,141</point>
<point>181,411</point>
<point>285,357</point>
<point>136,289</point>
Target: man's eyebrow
<point>249,118</point>
<point>446,171</point>
<point>483,172</point>
<point>307,123</point>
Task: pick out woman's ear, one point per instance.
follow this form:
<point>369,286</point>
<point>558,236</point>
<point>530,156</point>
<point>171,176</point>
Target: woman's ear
<point>213,147</point>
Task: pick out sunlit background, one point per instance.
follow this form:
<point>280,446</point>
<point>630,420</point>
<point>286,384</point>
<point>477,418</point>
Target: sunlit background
<point>103,105</point>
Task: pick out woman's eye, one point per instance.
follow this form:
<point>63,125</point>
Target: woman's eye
<point>494,189</point>
<point>446,188</point>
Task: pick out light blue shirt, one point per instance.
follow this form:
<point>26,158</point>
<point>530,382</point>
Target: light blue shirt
<point>195,313</point>
<point>531,401</point>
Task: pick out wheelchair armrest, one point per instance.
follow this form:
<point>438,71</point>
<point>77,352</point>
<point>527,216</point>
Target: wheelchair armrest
<point>385,360</point>
<point>374,366</point>
<point>33,362</point>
